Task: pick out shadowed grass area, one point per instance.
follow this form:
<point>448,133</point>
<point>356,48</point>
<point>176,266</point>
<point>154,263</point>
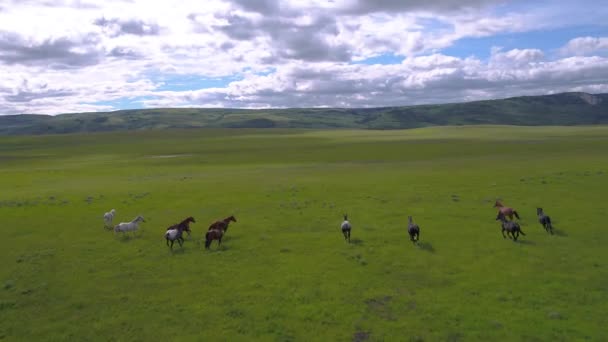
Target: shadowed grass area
<point>284,271</point>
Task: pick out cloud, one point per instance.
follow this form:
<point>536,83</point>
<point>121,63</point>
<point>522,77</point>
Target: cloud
<point>60,53</point>
<point>418,80</point>
<point>116,27</point>
<point>98,54</point>
<point>392,6</point>
<point>585,45</point>
<point>516,57</point>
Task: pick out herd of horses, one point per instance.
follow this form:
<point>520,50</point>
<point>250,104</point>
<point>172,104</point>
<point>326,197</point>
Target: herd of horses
<point>218,228</point>
<point>512,228</point>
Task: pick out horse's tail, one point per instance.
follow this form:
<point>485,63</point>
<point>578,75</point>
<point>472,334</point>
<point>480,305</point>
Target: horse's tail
<point>516,214</point>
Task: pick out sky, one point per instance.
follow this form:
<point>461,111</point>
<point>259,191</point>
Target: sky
<point>61,56</point>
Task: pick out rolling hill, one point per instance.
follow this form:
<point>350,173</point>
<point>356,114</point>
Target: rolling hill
<point>559,109</point>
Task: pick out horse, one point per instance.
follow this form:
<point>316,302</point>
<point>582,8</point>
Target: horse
<point>544,220</point>
<point>222,225</point>
<point>129,226</point>
<point>175,234</point>
<point>413,229</point>
<point>346,227</point>
<point>511,227</point>
<point>107,219</point>
<point>507,211</point>
<point>185,225</point>
<point>214,234</point>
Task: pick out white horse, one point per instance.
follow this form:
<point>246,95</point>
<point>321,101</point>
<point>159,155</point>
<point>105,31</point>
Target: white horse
<point>129,226</point>
<point>108,217</point>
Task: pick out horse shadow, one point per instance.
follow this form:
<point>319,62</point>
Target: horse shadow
<point>525,242</point>
<point>356,242</point>
<point>426,246</point>
<point>126,238</point>
<point>177,251</point>
<point>559,232</point>
<point>215,249</point>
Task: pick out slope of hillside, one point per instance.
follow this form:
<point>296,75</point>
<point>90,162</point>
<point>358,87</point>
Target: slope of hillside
<point>558,109</point>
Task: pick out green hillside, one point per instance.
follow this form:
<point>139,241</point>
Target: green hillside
<point>559,109</point>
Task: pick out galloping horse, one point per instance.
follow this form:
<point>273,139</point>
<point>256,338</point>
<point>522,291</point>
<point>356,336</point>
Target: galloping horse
<point>184,225</point>
<point>346,227</point>
<point>506,211</point>
<point>545,220</point>
<point>214,234</point>
<point>175,234</point>
<point>511,227</point>
<point>413,229</point>
<point>222,225</point>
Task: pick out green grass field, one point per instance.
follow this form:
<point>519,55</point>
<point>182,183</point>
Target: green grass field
<point>284,272</point>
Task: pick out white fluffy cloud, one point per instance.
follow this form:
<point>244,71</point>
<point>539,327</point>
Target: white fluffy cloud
<point>61,56</point>
<point>585,45</point>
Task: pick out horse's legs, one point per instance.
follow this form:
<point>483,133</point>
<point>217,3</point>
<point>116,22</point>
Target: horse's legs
<point>349,235</point>
<point>181,242</point>
<point>503,233</point>
<point>167,242</point>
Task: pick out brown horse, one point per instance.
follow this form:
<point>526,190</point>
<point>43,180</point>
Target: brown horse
<point>214,234</point>
<point>185,225</point>
<point>222,225</point>
<point>506,211</point>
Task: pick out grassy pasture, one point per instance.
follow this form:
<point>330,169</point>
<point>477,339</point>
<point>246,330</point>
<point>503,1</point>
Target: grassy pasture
<point>284,272</point>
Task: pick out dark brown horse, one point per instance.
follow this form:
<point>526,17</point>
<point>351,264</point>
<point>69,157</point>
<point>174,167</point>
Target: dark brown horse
<point>222,225</point>
<point>185,225</point>
<point>413,229</point>
<point>214,234</point>
<point>506,211</point>
<point>545,220</point>
<point>510,227</point>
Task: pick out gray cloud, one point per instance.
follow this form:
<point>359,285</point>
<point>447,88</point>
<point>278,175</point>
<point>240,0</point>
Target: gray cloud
<point>392,6</point>
<point>118,27</point>
<point>260,6</point>
<point>289,40</point>
<point>124,53</point>
<point>61,53</point>
<point>420,80</point>
<point>28,96</point>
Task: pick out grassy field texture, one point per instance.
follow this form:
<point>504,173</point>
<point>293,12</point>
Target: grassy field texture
<point>284,272</point>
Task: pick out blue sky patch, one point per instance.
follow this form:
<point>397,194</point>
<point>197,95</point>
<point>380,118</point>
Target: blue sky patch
<point>549,41</point>
<point>384,59</point>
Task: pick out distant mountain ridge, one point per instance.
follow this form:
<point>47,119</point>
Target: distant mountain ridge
<point>558,109</point>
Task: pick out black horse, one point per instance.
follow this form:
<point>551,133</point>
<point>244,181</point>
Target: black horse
<point>544,220</point>
<point>413,229</point>
<point>511,227</point>
<point>346,227</point>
